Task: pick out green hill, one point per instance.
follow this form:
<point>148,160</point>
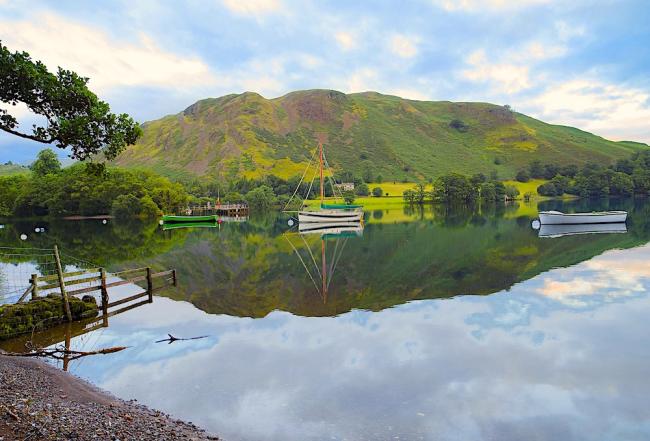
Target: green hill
<point>9,169</point>
<point>365,133</point>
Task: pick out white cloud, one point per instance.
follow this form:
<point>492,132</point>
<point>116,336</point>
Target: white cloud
<point>403,46</point>
<point>610,110</point>
<point>346,40</point>
<point>507,77</point>
<point>362,80</point>
<point>253,7</point>
<point>511,72</point>
<point>482,5</point>
<point>90,52</point>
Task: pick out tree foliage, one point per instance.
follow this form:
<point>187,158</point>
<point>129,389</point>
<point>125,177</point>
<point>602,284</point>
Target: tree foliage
<point>46,162</point>
<point>75,117</point>
<point>261,198</point>
<point>81,190</point>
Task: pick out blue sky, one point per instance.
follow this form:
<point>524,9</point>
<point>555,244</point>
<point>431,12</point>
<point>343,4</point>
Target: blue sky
<point>581,63</point>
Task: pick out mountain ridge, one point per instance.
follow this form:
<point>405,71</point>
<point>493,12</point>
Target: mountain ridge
<point>369,134</point>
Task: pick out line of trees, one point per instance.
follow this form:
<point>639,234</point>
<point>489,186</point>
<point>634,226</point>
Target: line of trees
<point>87,189</point>
<point>455,187</point>
<point>625,178</point>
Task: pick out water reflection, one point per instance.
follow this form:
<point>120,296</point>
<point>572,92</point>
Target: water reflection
<point>558,361</point>
<point>557,351</point>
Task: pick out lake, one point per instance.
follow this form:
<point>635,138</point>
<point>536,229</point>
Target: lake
<point>446,323</point>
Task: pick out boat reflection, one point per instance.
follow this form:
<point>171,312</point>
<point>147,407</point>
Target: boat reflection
<point>560,230</point>
<point>337,232</point>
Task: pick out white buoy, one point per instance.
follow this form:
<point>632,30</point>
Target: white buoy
<point>37,230</point>
<point>290,222</point>
<point>23,237</point>
<point>104,221</point>
<point>160,222</point>
<point>536,224</point>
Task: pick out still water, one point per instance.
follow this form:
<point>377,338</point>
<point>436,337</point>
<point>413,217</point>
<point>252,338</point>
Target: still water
<point>442,324</point>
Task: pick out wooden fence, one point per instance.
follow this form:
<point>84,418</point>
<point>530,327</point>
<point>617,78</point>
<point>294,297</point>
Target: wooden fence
<point>68,285</point>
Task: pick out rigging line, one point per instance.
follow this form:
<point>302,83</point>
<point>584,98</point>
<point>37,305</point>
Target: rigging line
<point>310,186</point>
<point>25,248</point>
<point>79,260</point>
<point>301,179</point>
<point>345,241</point>
<point>336,247</point>
<point>312,256</point>
<point>304,266</point>
<point>340,195</point>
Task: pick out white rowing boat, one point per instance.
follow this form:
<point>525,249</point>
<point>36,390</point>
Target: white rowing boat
<point>596,217</point>
<point>557,230</point>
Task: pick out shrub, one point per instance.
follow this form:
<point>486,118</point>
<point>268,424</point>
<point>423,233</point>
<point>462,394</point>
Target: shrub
<point>522,176</point>
<point>377,192</point>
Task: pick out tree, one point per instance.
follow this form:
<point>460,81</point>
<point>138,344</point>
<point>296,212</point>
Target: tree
<point>409,196</point>
<point>550,170</point>
<point>420,193</point>
<point>458,125</point>
<point>547,189</point>
<point>621,184</point>
<point>536,170</point>
<point>260,198</point>
<point>75,117</point>
<point>362,189</point>
<point>522,176</point>
<point>377,192</point>
<point>453,187</point>
<point>511,192</point>
<point>570,171</point>
<point>348,197</point>
<point>477,179</point>
<point>46,163</point>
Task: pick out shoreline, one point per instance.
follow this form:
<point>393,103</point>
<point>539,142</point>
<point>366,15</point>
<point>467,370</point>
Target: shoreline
<point>42,402</point>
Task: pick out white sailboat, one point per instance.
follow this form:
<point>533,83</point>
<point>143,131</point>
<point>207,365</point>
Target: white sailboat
<point>329,213</point>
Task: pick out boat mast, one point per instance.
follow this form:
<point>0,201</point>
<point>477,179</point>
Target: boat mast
<point>324,270</point>
<point>322,185</point>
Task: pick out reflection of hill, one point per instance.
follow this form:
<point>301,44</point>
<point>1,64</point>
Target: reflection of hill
<point>250,269</point>
<point>248,273</point>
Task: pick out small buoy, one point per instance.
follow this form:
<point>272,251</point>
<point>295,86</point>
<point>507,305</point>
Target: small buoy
<point>37,230</point>
<point>23,237</point>
<point>104,221</point>
<point>160,222</point>
<point>290,222</point>
<point>536,224</point>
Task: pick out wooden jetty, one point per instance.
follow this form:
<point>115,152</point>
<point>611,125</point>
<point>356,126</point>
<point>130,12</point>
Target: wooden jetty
<point>229,210</point>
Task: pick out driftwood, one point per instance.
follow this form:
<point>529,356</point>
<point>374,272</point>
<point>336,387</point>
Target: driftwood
<point>61,353</point>
<point>171,339</point>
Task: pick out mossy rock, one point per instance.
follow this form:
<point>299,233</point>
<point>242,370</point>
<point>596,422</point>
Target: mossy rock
<point>42,313</point>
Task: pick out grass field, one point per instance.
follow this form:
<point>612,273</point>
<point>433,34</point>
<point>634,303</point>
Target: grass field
<point>525,187</point>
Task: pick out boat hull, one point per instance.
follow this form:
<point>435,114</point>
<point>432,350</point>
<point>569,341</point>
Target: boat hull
<point>182,219</point>
<point>557,218</point>
<point>329,216</point>
<point>559,230</point>
<point>333,228</point>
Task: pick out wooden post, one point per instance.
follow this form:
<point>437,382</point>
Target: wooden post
<point>104,291</point>
<point>174,277</point>
<point>34,282</point>
<point>64,294</point>
<point>68,337</point>
<point>149,285</point>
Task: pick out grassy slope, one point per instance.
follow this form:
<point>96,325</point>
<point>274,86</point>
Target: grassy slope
<point>248,135</point>
<point>9,170</point>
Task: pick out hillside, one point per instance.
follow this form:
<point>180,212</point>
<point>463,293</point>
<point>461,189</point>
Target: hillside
<point>365,133</point>
<point>9,169</point>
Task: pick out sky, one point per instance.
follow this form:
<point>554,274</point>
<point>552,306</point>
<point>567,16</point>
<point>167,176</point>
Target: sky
<point>582,63</point>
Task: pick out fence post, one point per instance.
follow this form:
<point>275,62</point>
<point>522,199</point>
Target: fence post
<point>104,291</point>
<point>34,283</point>
<point>149,285</point>
<point>64,294</point>
<point>174,277</point>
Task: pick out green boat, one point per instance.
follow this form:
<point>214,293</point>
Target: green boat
<point>172,219</point>
<point>178,225</point>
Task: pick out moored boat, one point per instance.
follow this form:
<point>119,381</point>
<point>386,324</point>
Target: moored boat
<point>168,218</point>
<point>328,213</point>
<point>596,217</point>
